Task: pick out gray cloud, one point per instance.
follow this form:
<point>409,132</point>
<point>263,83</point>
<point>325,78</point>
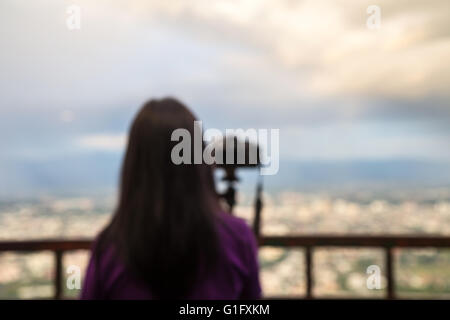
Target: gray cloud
<point>283,64</point>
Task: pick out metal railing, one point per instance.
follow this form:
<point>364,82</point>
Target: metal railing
<point>57,246</point>
<point>385,242</point>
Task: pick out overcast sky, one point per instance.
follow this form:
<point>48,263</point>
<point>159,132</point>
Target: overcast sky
<point>334,88</point>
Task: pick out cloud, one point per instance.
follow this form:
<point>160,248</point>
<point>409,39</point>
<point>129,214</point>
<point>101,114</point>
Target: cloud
<point>103,142</point>
<point>264,64</point>
<point>289,53</point>
<point>328,43</point>
<point>346,141</point>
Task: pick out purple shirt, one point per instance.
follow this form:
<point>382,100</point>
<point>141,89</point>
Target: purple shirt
<point>236,277</point>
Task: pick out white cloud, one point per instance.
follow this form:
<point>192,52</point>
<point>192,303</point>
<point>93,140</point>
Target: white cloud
<point>280,62</point>
<point>313,47</point>
<point>103,142</point>
<point>328,41</point>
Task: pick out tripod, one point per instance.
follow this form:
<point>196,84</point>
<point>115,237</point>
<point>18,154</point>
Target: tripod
<point>230,196</point>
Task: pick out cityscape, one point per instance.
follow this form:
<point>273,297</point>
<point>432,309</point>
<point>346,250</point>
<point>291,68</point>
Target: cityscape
<point>338,271</point>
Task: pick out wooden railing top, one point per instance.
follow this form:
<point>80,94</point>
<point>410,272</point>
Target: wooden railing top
<point>46,244</point>
<point>279,241</point>
<point>386,242</point>
<point>357,241</point>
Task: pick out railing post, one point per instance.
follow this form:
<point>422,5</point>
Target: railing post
<point>58,275</point>
<point>390,293</point>
<point>309,272</point>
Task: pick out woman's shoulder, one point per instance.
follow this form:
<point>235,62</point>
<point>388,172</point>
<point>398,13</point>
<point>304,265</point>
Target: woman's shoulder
<point>107,258</point>
<point>231,221</point>
<point>240,247</point>
<point>235,230</point>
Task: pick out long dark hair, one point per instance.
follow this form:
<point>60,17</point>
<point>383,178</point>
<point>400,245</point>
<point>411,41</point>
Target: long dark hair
<point>164,224</point>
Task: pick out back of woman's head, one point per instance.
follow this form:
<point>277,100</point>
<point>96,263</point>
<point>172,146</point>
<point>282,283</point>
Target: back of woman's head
<point>164,225</point>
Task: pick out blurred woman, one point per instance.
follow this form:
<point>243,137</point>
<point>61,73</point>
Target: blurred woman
<point>168,238</point>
